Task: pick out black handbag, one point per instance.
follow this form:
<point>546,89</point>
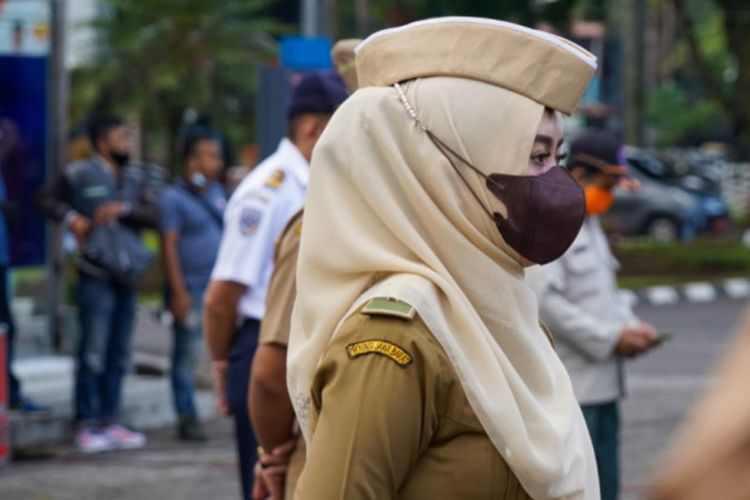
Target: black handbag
<point>119,252</point>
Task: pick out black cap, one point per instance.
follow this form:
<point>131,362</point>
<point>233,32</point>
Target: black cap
<point>320,92</point>
<point>597,150</point>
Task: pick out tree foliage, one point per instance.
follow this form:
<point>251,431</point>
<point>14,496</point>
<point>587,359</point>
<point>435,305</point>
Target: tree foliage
<point>154,60</point>
<point>393,12</point>
<point>721,61</point>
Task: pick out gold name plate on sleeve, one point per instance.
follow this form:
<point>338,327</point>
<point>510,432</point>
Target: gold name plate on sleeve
<point>382,347</point>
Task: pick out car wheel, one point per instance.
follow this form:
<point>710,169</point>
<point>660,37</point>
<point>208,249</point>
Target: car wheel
<point>663,229</point>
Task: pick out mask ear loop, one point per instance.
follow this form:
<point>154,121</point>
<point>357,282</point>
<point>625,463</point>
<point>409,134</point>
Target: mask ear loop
<point>442,147</point>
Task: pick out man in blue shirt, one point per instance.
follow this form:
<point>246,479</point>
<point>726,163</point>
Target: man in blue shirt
<point>191,224</point>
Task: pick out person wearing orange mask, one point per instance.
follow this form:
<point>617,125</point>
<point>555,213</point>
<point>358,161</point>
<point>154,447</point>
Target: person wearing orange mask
<point>579,302</point>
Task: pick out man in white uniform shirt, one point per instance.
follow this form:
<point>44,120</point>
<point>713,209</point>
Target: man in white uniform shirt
<point>579,301</point>
<point>257,212</point>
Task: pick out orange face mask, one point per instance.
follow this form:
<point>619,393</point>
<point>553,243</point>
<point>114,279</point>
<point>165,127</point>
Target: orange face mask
<point>598,200</point>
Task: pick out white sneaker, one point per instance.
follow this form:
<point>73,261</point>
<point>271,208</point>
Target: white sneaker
<point>123,438</point>
<point>89,440</point>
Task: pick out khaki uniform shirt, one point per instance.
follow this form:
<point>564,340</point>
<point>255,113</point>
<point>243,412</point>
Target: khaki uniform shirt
<point>390,420</point>
<point>274,329</point>
<point>282,289</point>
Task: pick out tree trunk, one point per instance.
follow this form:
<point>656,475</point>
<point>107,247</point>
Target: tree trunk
<point>633,34</point>
<point>362,17</point>
<point>737,26</point>
<point>174,120</point>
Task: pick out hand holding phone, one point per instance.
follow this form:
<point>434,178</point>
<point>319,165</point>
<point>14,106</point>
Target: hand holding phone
<point>662,336</point>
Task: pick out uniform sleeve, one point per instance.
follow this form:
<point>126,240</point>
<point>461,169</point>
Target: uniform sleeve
<point>282,290</point>
<point>169,215</point>
<point>375,417</point>
<point>247,240</point>
<point>568,322</point>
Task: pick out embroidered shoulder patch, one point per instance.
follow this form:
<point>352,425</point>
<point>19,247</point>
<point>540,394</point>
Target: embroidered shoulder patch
<point>275,179</point>
<point>382,347</point>
<point>389,307</point>
<point>249,220</point>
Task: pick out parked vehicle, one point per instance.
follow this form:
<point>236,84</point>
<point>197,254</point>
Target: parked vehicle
<point>660,209</point>
<point>700,175</point>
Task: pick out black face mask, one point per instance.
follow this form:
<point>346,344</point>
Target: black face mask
<point>545,212</point>
<point>121,159</point>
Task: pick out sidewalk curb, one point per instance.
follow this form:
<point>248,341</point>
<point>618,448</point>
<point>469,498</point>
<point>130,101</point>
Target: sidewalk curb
<point>147,403</point>
<point>700,292</point>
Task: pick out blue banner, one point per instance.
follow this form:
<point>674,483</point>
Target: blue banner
<point>23,150</point>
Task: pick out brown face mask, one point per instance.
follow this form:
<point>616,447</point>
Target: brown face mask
<point>545,212</point>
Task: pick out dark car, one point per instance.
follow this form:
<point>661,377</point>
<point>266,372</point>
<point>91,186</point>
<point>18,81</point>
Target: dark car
<point>660,209</point>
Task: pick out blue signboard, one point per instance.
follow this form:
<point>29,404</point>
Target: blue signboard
<point>306,53</point>
<point>23,150</point>
<point>24,146</point>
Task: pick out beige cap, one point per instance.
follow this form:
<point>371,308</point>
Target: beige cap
<point>544,67</point>
<point>343,58</point>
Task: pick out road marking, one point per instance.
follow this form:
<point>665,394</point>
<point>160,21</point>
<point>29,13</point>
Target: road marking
<point>738,288</point>
<point>662,295</point>
<point>700,292</point>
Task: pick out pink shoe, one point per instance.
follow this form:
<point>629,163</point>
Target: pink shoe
<point>122,438</point>
<point>89,440</point>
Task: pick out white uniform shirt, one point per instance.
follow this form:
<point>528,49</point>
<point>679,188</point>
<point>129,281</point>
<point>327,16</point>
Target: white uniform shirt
<point>581,305</point>
<point>257,212</point>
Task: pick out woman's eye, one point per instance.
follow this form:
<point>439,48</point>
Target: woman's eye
<point>561,157</point>
<point>540,159</point>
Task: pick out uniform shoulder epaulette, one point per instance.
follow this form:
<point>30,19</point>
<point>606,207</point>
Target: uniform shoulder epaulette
<point>276,179</point>
<point>386,306</point>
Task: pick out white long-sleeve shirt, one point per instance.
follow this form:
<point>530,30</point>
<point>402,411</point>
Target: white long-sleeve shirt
<point>580,303</point>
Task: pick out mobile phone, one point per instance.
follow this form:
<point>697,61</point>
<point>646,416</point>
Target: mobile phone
<point>662,336</point>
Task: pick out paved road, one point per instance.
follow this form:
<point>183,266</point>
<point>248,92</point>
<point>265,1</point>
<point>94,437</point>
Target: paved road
<point>663,385</point>
<point>165,470</point>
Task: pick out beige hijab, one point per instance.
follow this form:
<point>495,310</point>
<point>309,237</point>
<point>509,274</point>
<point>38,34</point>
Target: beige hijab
<point>385,208</point>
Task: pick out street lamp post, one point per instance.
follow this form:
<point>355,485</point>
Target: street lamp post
<point>58,91</point>
<point>313,17</point>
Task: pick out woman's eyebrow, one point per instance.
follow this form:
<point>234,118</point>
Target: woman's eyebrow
<point>545,139</point>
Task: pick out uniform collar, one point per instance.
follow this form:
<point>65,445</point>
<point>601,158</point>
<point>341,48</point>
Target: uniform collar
<point>591,220</point>
<point>293,160</point>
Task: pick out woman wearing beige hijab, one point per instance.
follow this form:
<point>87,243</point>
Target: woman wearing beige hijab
<point>417,365</point>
